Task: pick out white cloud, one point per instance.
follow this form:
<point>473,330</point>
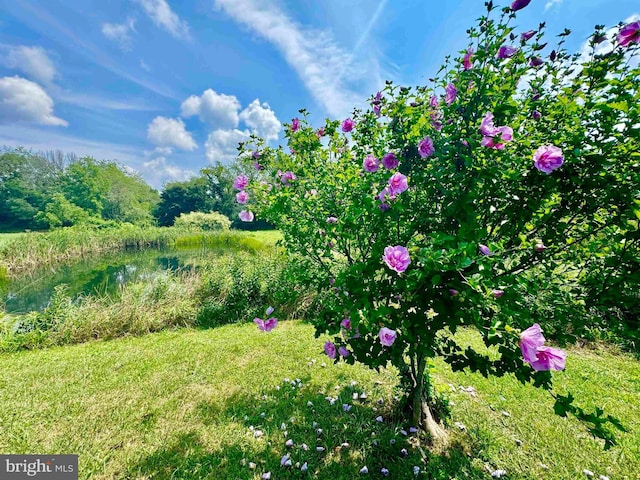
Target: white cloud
<point>161,14</point>
<point>222,145</point>
<point>32,61</point>
<point>261,120</point>
<point>158,172</point>
<point>551,3</point>
<point>170,132</point>
<point>328,71</point>
<point>22,100</point>
<point>215,108</point>
<point>120,32</point>
<point>144,66</point>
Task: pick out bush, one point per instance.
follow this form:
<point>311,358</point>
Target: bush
<point>202,221</point>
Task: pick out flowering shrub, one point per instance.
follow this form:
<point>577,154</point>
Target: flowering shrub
<point>499,178</point>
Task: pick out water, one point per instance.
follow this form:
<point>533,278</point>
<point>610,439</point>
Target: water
<point>104,274</point>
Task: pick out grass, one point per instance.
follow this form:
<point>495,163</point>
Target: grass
<point>181,404</point>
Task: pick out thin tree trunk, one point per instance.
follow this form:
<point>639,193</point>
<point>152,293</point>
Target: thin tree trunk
<point>421,411</point>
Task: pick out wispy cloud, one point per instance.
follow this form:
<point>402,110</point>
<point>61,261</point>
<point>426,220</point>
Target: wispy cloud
<point>551,3</point>
<point>120,32</point>
<point>162,16</point>
<point>332,75</point>
<point>372,23</point>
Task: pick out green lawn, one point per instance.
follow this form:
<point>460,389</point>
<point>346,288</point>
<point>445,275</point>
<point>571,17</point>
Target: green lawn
<point>180,404</point>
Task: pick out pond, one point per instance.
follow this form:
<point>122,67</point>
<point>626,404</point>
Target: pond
<point>104,274</point>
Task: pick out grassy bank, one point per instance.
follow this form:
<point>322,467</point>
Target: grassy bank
<point>181,404</point>
<point>23,253</point>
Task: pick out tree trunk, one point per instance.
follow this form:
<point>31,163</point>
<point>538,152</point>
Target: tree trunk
<point>421,410</point>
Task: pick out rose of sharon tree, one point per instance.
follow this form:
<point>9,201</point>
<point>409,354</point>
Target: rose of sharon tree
<point>460,203</point>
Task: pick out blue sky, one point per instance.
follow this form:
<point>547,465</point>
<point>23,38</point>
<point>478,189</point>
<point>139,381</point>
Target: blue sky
<point>167,86</point>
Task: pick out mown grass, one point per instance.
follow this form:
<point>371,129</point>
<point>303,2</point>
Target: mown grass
<point>181,404</point>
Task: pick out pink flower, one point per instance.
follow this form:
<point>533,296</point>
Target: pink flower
<point>295,125</point>
<point>630,33</point>
<point>425,147</point>
<point>547,158</point>
<point>266,325</point>
<point>548,358</point>
<point>389,161</point>
<point>246,216</point>
<point>396,258</point>
<point>484,250</point>
<point>497,293</point>
<point>370,164</point>
<point>347,125</point>
<point>490,131</point>
<point>540,247</point>
<point>344,352</point>
<point>320,132</point>
<point>451,93</point>
<point>346,323</point>
<point>387,336</point>
<point>527,35</point>
<point>507,51</point>
<point>240,182</point>
<point>530,340</point>
<point>466,62</point>
<point>242,197</point>
<point>519,4</point>
<point>288,177</point>
<point>397,184</point>
<point>330,350</point>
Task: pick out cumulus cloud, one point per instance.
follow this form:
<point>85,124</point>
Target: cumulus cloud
<point>215,108</point>
<point>170,132</point>
<point>261,120</point>
<point>162,16</point>
<point>32,61</point>
<point>330,73</point>
<point>222,145</point>
<point>120,32</point>
<point>158,171</point>
<point>22,100</point>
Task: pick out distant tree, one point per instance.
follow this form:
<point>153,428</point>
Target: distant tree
<point>193,195</point>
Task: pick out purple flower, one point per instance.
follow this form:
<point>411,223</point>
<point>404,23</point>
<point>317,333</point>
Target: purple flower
<point>527,35</point>
<point>295,125</point>
<point>257,166</point>
<point>397,184</point>
<point>256,154</point>
<point>433,101</point>
<point>484,250</point>
<point>320,132</point>
<point>396,258</point>
<point>507,51</point>
<point>547,158</point>
<point>266,325</point>
<point>535,62</point>
<point>497,293</point>
<point>519,4</point>
<point>384,207</point>
<point>425,147</point>
<point>246,216</point>
<point>387,336</point>
<point>240,182</point>
<point>630,33</point>
<point>490,131</point>
<point>536,115</point>
<point>347,125</point>
<point>451,93</point>
<point>346,323</point>
<point>330,350</point>
<point>389,161</point>
<point>288,177</point>
<point>486,126</point>
<point>242,197</point>
<point>548,358</point>
<point>370,164</point>
<point>344,352</point>
<point>332,220</point>
<point>466,62</point>
<point>269,310</point>
<point>530,340</point>
<point>453,292</point>
<point>376,110</point>
<point>540,247</point>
